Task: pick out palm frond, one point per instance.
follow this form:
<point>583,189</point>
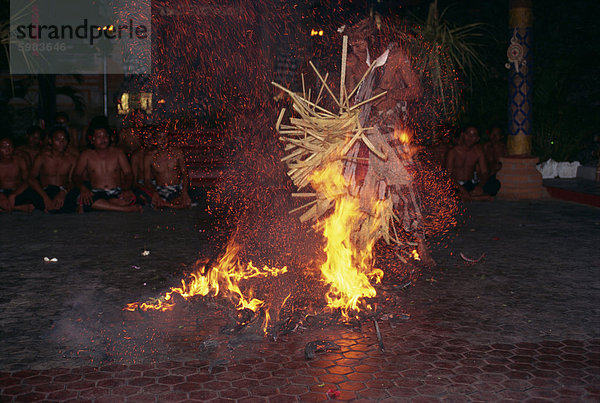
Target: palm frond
<point>444,52</point>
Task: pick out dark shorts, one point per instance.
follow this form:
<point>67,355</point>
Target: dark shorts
<point>28,196</point>
<point>468,185</point>
<point>70,204</point>
<point>170,192</point>
<point>491,187</point>
<point>106,194</point>
<point>101,194</point>
<point>142,194</point>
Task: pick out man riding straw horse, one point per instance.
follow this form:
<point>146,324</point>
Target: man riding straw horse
<point>368,174</point>
<point>361,142</point>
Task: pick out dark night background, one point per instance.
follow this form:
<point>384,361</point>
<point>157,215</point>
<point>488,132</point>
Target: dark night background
<point>565,51</point>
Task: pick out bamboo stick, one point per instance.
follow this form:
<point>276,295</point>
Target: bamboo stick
<point>303,206</point>
<point>321,89</point>
<point>292,155</point>
<point>279,119</point>
<point>343,73</point>
<point>355,158</point>
<point>358,105</point>
<point>328,113</point>
<point>324,83</point>
<point>353,140</point>
<point>371,67</point>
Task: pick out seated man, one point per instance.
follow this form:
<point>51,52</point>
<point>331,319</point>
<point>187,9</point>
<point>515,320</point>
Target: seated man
<point>130,133</point>
<point>494,150</point>
<point>15,194</point>
<point>34,144</point>
<point>166,165</point>
<point>76,144</point>
<point>462,161</point>
<point>52,173</point>
<point>109,173</point>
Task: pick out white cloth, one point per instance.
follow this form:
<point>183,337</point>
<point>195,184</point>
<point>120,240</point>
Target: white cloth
<point>552,169</point>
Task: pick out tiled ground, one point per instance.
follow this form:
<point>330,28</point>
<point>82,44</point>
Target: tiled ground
<point>523,324</point>
<point>427,369</point>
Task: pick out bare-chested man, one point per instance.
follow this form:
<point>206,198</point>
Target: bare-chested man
<point>15,193</point>
<point>129,135</point>
<point>51,175</point>
<point>75,144</point>
<point>34,145</point>
<point>463,161</point>
<point>142,191</point>
<point>399,79</point>
<point>109,173</point>
<point>166,165</point>
<point>494,150</point>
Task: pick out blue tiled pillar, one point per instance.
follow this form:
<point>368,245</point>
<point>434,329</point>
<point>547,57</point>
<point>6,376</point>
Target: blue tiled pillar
<point>520,77</point>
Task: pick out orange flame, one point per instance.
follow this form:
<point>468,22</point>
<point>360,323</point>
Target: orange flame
<point>415,255</point>
<point>347,269</point>
<point>224,278</point>
<point>405,137</point>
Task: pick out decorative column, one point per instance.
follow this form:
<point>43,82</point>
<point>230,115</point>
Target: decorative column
<point>519,77</point>
<point>519,178</point>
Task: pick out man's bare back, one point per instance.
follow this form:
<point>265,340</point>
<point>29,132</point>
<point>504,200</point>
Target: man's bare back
<point>399,80</point>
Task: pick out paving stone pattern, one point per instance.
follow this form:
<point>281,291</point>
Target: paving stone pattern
<point>522,324</point>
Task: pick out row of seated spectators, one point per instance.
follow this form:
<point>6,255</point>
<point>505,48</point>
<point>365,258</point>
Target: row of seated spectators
<point>62,170</point>
<point>471,164</point>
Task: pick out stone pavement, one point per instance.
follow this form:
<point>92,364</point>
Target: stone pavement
<point>521,324</point>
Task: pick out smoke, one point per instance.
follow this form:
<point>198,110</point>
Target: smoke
<point>95,331</point>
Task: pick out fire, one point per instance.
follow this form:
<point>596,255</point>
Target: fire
<point>348,269</point>
<point>403,136</point>
<point>415,255</point>
<point>223,278</point>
